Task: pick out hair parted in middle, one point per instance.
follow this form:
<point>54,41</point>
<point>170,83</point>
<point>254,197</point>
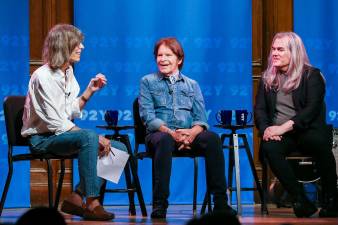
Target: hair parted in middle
<point>174,45</point>
<point>298,62</point>
<point>61,40</point>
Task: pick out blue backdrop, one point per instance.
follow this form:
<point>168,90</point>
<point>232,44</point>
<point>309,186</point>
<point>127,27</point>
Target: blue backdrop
<point>317,23</point>
<point>14,73</point>
<point>119,40</point>
<point>217,42</point>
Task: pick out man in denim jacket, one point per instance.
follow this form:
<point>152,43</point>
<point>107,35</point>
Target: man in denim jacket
<point>172,108</point>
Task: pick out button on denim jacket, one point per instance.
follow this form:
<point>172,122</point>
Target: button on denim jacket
<point>178,105</point>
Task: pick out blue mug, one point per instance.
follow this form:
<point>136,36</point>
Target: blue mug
<point>224,117</point>
<point>111,117</point>
<point>242,117</point>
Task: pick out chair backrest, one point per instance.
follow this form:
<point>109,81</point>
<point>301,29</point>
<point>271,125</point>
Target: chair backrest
<point>140,129</point>
<point>13,111</point>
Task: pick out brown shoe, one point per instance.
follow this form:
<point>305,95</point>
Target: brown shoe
<point>71,208</point>
<point>98,213</point>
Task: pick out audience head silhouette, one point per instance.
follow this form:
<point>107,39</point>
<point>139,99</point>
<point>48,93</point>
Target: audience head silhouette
<point>41,215</point>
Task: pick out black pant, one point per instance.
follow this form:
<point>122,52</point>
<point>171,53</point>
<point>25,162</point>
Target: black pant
<point>162,145</point>
<point>314,143</point>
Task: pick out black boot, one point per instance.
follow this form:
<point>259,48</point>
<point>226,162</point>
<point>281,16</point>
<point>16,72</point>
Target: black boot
<point>330,207</point>
<point>303,207</point>
<point>221,206</point>
<point>159,209</point>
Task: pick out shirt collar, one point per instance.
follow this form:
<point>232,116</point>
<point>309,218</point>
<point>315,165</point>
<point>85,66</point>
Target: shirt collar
<point>178,76</point>
<point>60,74</point>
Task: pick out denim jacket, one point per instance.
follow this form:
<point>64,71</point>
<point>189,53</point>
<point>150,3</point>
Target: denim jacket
<point>178,105</point>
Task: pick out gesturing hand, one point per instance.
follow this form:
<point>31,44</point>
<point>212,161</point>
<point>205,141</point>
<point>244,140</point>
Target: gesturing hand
<point>97,82</point>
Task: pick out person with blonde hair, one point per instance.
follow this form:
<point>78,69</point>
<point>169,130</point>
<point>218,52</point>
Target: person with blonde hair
<point>52,102</point>
<point>290,114</point>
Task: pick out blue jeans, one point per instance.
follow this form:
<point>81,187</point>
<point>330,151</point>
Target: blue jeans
<point>83,142</point>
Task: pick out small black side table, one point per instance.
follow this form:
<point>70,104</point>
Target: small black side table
<point>130,166</point>
<point>234,161</point>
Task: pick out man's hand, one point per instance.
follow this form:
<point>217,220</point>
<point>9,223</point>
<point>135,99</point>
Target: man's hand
<point>178,137</point>
<point>104,146</point>
<point>188,136</point>
<point>184,135</point>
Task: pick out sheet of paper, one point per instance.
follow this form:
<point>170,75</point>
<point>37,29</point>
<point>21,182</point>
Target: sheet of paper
<point>110,167</point>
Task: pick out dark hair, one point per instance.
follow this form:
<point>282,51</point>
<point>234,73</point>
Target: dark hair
<point>174,46</point>
<point>59,44</point>
<point>41,215</point>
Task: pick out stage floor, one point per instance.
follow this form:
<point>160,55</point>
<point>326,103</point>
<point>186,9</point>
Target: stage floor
<point>180,214</point>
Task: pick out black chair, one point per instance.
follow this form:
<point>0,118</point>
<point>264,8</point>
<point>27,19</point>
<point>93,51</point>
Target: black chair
<point>13,110</point>
<point>140,133</point>
<point>303,165</point>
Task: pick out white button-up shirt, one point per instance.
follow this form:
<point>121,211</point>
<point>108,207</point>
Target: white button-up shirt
<point>51,102</point>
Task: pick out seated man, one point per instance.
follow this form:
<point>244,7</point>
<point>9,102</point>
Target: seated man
<point>172,108</point>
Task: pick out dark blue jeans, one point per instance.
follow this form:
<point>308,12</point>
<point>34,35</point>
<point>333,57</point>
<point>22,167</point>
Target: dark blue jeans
<point>83,142</point>
<point>162,145</point>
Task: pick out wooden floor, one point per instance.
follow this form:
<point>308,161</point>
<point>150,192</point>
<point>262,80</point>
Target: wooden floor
<point>180,214</point>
